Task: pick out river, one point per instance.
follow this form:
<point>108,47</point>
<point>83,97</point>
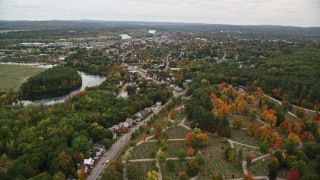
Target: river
<point>88,80</point>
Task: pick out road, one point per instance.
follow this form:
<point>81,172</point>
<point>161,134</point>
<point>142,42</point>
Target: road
<point>123,140</point>
<point>167,67</point>
<point>117,147</point>
<point>279,102</point>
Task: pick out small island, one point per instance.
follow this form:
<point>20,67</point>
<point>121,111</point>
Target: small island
<point>52,82</point>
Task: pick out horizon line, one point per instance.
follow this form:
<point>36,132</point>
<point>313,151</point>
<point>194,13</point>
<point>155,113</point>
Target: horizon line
<point>169,22</point>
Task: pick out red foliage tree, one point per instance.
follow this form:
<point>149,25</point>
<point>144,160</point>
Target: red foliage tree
<point>316,118</point>
<point>249,159</point>
<point>123,130</point>
<point>157,135</point>
<point>293,174</point>
<point>222,85</point>
<point>248,176</point>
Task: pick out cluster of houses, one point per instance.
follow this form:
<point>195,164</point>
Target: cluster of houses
<point>123,127</point>
<point>96,152</point>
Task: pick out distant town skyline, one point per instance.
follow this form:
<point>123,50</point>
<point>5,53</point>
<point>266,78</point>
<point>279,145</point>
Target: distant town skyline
<point>239,12</point>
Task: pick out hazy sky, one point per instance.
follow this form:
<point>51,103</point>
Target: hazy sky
<point>250,12</point>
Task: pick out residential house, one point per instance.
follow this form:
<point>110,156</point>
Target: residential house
<point>97,151</point>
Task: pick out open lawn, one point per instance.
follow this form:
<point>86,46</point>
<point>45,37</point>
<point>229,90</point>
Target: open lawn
<point>143,168</point>
<point>248,151</point>
<point>215,162</point>
<point>177,132</point>
<point>175,147</point>
<point>241,137</point>
<point>261,167</point>
<point>144,150</point>
<point>179,166</point>
<point>12,76</point>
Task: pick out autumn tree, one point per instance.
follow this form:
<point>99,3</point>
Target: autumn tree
<point>202,140</point>
<point>153,175</point>
<point>293,174</point>
<point>173,113</point>
<point>249,160</point>
<point>82,175</point>
<point>300,112</point>
<point>162,156</point>
<point>253,129</point>
<point>196,140</point>
<point>278,142</point>
<point>59,176</point>
<point>189,138</point>
<point>269,116</point>
<point>237,123</point>
<point>292,142</point>
<point>190,151</point>
<point>144,137</point>
<point>222,85</point>
<point>193,168</point>
<point>285,126</point>
<point>297,127</point>
<point>231,154</point>
<point>273,167</point>
<point>183,176</point>
<point>216,176</point>
<point>248,176</point>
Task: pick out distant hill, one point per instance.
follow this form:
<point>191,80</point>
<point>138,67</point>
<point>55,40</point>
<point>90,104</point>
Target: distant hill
<point>261,29</point>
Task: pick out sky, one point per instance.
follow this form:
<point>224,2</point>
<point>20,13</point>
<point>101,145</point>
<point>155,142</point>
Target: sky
<point>304,13</point>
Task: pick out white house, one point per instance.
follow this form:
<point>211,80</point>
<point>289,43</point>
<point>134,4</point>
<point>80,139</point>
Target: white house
<point>89,162</point>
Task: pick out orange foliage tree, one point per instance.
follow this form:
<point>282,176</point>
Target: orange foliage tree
<point>190,151</point>
<point>285,126</point>
<point>248,176</point>
<point>189,138</point>
<point>196,140</point>
<point>144,137</point>
<point>202,139</point>
<point>253,129</point>
<point>237,123</point>
<point>82,175</point>
<point>269,116</point>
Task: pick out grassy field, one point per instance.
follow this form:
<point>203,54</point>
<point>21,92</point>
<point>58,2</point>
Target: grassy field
<point>215,161</point>
<point>241,137</point>
<point>177,132</point>
<point>143,168</point>
<point>248,151</point>
<point>179,166</point>
<point>144,150</point>
<point>12,76</point>
<point>175,147</point>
